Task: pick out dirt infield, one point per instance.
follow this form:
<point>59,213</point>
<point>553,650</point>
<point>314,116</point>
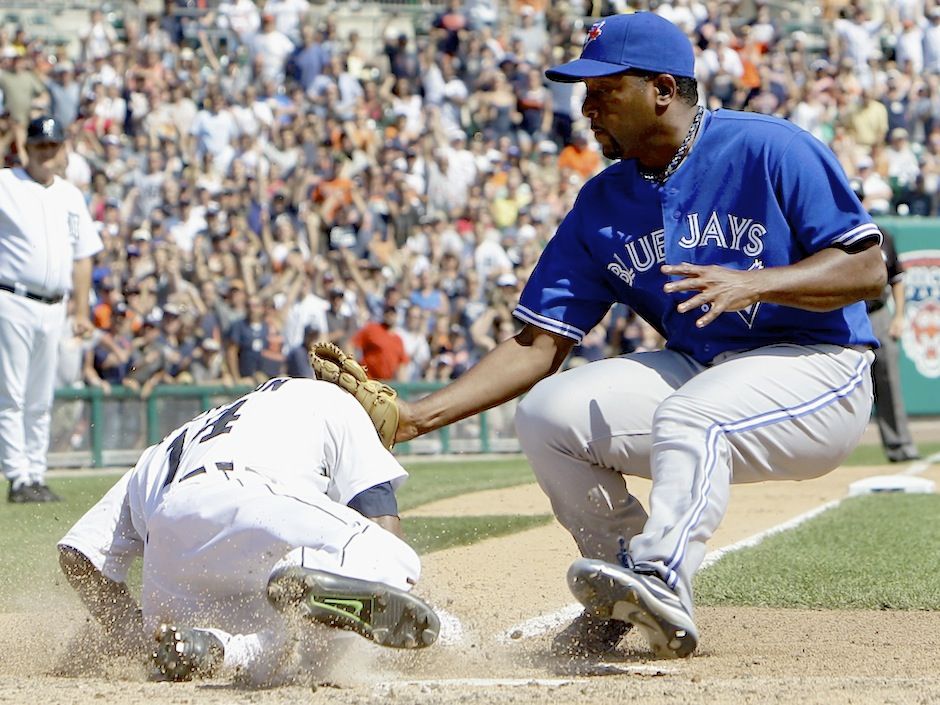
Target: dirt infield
<point>747,655</point>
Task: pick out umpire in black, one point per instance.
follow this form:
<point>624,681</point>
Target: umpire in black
<point>890,413</point>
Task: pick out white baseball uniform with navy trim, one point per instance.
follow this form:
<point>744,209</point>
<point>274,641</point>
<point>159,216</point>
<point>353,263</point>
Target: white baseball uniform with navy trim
<point>43,230</point>
<point>771,392</point>
<point>240,490</point>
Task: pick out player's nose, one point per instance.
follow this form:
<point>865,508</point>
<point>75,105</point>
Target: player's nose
<point>589,108</point>
<point>592,106</point>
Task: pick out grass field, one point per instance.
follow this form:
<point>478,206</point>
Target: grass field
<point>873,455</point>
<point>872,552</point>
<point>876,552</point>
<point>29,532</point>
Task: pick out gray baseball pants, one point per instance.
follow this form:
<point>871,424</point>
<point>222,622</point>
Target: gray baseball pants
<point>781,412</point>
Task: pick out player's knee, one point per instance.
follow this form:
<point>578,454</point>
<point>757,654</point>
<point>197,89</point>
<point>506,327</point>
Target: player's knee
<point>680,416</point>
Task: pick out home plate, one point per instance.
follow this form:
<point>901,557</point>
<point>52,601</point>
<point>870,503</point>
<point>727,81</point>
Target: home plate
<point>892,483</point>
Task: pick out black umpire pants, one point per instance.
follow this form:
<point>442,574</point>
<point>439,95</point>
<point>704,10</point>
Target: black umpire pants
<point>890,414</point>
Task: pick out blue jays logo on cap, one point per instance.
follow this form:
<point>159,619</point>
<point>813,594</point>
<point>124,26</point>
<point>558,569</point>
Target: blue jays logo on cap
<point>642,40</point>
<point>593,33</point>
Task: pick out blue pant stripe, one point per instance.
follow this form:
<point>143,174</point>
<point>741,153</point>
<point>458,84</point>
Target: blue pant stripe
<point>749,424</point>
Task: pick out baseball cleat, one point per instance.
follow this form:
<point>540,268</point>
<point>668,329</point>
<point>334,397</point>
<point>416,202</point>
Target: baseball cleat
<point>384,614</point>
<point>21,494</point>
<point>182,653</point>
<point>36,492</point>
<point>612,592</point>
<point>588,635</point>
<point>44,493</point>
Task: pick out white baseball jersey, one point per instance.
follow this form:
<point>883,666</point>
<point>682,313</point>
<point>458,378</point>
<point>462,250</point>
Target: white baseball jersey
<point>299,435</point>
<point>248,486</point>
<point>42,230</point>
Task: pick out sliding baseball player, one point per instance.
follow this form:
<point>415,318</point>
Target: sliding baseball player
<point>281,503</point>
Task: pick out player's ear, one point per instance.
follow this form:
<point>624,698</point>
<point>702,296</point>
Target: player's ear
<point>665,86</point>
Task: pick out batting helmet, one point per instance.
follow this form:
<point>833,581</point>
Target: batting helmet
<point>44,129</point>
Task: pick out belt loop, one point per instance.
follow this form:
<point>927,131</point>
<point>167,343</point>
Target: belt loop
<point>19,289</point>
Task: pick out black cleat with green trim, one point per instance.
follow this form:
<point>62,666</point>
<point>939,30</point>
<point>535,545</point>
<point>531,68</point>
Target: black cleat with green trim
<point>379,612</point>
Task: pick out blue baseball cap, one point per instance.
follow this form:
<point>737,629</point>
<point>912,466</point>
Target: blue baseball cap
<point>641,40</point>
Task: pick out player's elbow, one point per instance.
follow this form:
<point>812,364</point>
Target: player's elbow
<point>547,351</point>
<point>880,277</point>
<point>874,281</point>
<point>871,275</point>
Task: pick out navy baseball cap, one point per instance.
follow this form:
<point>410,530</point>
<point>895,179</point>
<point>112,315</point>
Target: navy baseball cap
<point>44,129</point>
<point>642,40</point>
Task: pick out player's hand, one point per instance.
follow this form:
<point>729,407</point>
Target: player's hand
<point>896,329</point>
<point>82,326</point>
<point>720,289</point>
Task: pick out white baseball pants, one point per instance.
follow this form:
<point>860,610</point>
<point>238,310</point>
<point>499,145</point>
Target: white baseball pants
<point>29,341</point>
<point>210,547</point>
<point>783,412</point>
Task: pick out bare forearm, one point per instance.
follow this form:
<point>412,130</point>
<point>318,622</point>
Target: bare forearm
<point>390,523</point>
<point>825,281</point>
<point>81,285</point>
<point>510,369</point>
<point>900,298</point>
<point>108,601</point>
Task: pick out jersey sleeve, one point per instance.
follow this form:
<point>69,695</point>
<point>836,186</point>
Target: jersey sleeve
<point>895,270</point>
<point>376,501</point>
<point>89,242</point>
<point>818,201</point>
<point>566,293</point>
<point>356,459</point>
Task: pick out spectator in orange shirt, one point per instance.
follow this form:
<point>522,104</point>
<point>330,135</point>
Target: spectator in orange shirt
<point>382,350</point>
<point>579,157</point>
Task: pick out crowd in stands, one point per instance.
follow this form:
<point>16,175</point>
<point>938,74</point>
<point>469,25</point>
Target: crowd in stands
<point>262,180</point>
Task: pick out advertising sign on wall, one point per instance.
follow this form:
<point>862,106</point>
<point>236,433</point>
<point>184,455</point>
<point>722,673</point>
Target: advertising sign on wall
<point>918,245</point>
<point>921,338</point>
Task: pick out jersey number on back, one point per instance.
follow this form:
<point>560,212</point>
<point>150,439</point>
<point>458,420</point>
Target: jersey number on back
<point>220,424</point>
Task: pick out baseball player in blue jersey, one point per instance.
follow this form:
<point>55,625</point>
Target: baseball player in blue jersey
<point>738,238</point>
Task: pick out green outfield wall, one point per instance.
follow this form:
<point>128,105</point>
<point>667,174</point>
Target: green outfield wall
<point>918,244</point>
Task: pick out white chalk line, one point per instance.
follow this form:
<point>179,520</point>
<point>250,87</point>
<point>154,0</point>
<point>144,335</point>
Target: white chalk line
<point>919,466</point>
<point>713,557</point>
<point>385,688</point>
<point>540,624</point>
<point>602,668</point>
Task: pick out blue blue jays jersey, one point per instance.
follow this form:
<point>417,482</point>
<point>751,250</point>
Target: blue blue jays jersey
<point>754,192</point>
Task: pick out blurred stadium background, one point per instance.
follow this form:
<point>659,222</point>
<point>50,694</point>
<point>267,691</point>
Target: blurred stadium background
<point>266,173</point>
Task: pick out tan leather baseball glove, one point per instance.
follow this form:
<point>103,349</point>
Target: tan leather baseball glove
<point>331,364</point>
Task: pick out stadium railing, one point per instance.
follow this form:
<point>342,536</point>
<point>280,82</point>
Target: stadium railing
<point>94,429</point>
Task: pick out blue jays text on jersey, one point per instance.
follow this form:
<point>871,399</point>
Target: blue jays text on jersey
<point>755,192</point>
